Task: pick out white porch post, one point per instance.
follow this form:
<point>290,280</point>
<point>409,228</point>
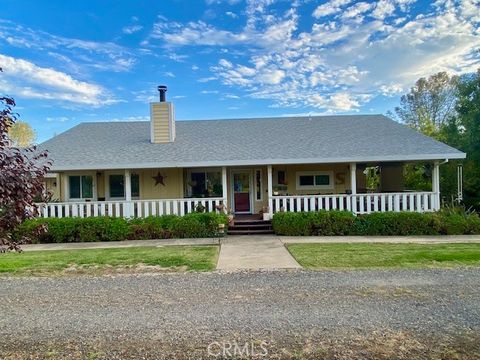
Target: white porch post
<point>128,209</point>
<point>224,187</point>
<point>353,185</point>
<point>436,185</point>
<point>270,190</point>
<point>66,187</point>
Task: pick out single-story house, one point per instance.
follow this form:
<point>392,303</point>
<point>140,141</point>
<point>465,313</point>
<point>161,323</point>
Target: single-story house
<point>307,163</point>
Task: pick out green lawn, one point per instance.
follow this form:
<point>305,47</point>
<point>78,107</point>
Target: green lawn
<point>321,256</point>
<point>188,258</point>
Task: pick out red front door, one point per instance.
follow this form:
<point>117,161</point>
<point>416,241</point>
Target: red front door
<point>241,192</point>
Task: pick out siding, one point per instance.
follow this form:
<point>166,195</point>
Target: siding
<point>160,121</point>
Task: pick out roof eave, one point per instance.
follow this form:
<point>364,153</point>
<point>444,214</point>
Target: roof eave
<point>257,162</point>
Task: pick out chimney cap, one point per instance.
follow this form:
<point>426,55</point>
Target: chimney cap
<point>162,89</point>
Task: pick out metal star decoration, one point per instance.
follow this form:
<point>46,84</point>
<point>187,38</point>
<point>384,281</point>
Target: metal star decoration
<point>159,179</point>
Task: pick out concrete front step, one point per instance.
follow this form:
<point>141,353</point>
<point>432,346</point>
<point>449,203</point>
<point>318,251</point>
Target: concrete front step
<point>250,232</point>
<point>250,227</point>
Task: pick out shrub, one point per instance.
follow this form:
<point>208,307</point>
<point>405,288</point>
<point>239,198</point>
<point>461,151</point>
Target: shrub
<point>448,222</point>
<point>473,224</point>
<point>330,223</point>
<point>115,229</point>
<point>292,224</point>
<point>401,223</point>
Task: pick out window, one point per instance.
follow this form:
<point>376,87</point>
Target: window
<point>311,180</point>
<point>204,184</point>
<point>117,186</point>
<point>135,184</point>
<point>80,187</point>
<point>281,178</point>
<point>306,180</point>
<point>198,183</point>
<point>258,185</point>
<point>322,180</point>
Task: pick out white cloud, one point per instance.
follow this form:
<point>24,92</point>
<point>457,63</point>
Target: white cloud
<point>225,63</point>
<point>230,2</point>
<point>127,118</point>
<point>356,10</point>
<point>209,92</point>
<point>329,8</point>
<point>340,63</point>
<point>104,56</point>
<point>57,119</point>
<point>343,102</point>
<point>383,9</point>
<point>271,76</point>
<point>231,14</point>
<point>145,96</point>
<point>131,29</point>
<point>25,79</point>
<point>206,79</point>
<point>391,89</point>
<point>177,57</point>
<point>195,67</point>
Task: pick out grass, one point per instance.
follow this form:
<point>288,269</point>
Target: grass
<point>345,256</point>
<point>188,258</point>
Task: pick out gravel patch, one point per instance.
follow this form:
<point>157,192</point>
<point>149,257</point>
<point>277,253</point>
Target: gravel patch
<point>165,314</point>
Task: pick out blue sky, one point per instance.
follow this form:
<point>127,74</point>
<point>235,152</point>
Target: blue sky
<point>67,62</point>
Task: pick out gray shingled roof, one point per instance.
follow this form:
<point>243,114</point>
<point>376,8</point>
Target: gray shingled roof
<point>316,139</point>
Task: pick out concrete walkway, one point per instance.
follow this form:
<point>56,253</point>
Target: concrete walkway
<point>260,239</point>
<point>254,253</point>
<point>430,239</point>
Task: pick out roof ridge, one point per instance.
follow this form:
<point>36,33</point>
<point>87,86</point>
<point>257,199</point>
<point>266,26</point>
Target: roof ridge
<point>241,119</point>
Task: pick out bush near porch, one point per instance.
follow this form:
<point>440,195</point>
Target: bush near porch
<point>337,223</point>
<point>65,230</point>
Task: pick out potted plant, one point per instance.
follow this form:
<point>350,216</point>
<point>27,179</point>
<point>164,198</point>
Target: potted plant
<point>265,213</point>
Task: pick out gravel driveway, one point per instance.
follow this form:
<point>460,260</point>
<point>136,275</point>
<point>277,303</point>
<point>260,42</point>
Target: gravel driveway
<point>297,313</point>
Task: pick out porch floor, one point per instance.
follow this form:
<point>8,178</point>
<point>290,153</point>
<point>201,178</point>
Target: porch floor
<point>247,217</point>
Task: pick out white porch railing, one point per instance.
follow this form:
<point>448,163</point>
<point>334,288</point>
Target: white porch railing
<point>358,203</point>
<point>134,208</point>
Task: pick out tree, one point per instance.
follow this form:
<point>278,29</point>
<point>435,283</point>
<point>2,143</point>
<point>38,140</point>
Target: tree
<point>468,109</point>
<point>22,172</point>
<point>430,108</point>
<point>21,134</point>
<point>430,104</point>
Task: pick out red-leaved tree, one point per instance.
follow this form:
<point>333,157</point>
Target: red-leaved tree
<point>22,172</point>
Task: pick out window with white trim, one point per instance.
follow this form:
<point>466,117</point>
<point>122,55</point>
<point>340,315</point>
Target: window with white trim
<point>116,186</point>
<point>203,183</point>
<point>314,180</point>
<point>80,186</point>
